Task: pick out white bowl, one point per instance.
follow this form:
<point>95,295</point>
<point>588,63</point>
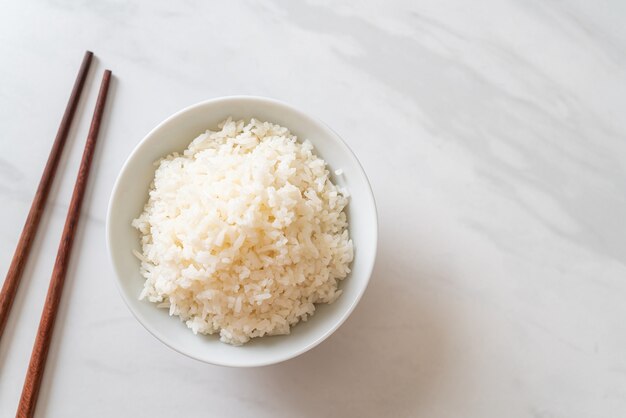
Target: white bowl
<point>131,192</point>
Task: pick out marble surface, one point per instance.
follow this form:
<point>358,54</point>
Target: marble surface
<point>494,138</point>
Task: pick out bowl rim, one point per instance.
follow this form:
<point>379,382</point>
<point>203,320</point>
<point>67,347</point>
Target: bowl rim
<point>369,265</point>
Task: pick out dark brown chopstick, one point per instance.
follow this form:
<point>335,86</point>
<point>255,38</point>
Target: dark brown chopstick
<point>28,400</point>
<point>12,280</point>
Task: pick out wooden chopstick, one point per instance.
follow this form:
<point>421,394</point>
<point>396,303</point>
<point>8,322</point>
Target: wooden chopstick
<point>39,354</point>
<point>14,274</point>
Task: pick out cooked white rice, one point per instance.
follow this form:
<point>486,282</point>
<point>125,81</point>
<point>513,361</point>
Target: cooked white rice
<point>244,233</point>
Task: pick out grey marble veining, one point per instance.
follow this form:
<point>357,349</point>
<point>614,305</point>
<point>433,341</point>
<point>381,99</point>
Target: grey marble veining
<point>492,133</point>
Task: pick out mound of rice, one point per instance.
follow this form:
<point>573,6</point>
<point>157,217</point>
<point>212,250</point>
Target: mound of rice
<point>244,233</point>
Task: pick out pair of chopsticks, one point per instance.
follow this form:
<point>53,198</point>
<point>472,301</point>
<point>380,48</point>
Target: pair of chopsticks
<point>39,354</point>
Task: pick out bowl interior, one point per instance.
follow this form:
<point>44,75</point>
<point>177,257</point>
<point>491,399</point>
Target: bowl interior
<point>130,194</point>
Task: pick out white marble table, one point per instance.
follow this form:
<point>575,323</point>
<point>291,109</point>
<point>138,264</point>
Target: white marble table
<point>494,137</point>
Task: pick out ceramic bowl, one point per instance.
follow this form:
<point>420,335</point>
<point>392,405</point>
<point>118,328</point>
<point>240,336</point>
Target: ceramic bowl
<point>131,192</point>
